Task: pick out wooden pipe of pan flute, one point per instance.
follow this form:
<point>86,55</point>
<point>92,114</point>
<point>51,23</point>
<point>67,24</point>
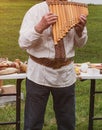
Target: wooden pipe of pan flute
<point>85,10</point>
<point>74,14</point>
<point>78,10</point>
<point>60,21</point>
<point>69,9</point>
<point>52,9</point>
<point>63,21</point>
<point>1,84</point>
<point>68,16</point>
<point>57,23</point>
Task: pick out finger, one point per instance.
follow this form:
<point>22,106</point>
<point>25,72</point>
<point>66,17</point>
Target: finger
<point>51,15</point>
<point>83,19</point>
<point>52,19</point>
<point>82,22</point>
<point>79,27</point>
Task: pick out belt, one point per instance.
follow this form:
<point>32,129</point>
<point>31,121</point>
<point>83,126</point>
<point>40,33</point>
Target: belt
<point>52,63</point>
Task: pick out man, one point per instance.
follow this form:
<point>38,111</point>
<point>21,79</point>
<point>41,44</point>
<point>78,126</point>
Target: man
<point>50,67</point>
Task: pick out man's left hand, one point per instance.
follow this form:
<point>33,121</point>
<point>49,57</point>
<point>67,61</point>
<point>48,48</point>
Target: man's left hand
<point>80,26</point>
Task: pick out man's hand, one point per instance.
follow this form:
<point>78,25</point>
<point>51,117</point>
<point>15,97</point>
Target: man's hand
<point>80,26</point>
<point>45,22</point>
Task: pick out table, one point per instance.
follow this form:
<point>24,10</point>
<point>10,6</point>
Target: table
<point>18,78</point>
<point>82,76</point>
<point>93,78</point>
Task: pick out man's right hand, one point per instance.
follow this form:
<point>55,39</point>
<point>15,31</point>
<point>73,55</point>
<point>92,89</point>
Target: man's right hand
<point>45,22</point>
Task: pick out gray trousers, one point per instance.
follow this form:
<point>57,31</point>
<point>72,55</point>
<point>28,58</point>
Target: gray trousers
<point>36,101</point>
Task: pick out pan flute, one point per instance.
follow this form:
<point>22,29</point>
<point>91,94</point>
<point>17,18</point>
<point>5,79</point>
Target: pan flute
<point>68,16</point>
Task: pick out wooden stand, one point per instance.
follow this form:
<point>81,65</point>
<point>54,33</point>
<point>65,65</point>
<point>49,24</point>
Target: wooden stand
<point>1,83</point>
<point>8,89</point>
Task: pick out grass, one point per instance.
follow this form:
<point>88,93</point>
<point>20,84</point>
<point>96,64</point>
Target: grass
<point>92,51</point>
<point>11,15</point>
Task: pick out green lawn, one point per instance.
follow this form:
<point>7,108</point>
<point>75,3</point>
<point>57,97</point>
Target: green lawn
<point>11,15</point>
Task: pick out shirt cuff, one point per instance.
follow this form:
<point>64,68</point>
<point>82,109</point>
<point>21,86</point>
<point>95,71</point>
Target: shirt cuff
<point>36,33</point>
<point>80,41</point>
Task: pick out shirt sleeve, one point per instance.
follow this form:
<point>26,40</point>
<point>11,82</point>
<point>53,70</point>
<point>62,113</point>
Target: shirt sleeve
<point>28,35</point>
<point>81,41</point>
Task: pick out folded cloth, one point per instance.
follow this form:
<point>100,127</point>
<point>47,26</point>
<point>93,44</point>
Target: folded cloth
<point>52,63</point>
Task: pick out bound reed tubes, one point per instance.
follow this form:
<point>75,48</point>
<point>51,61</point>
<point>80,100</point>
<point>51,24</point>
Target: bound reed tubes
<point>68,16</point>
